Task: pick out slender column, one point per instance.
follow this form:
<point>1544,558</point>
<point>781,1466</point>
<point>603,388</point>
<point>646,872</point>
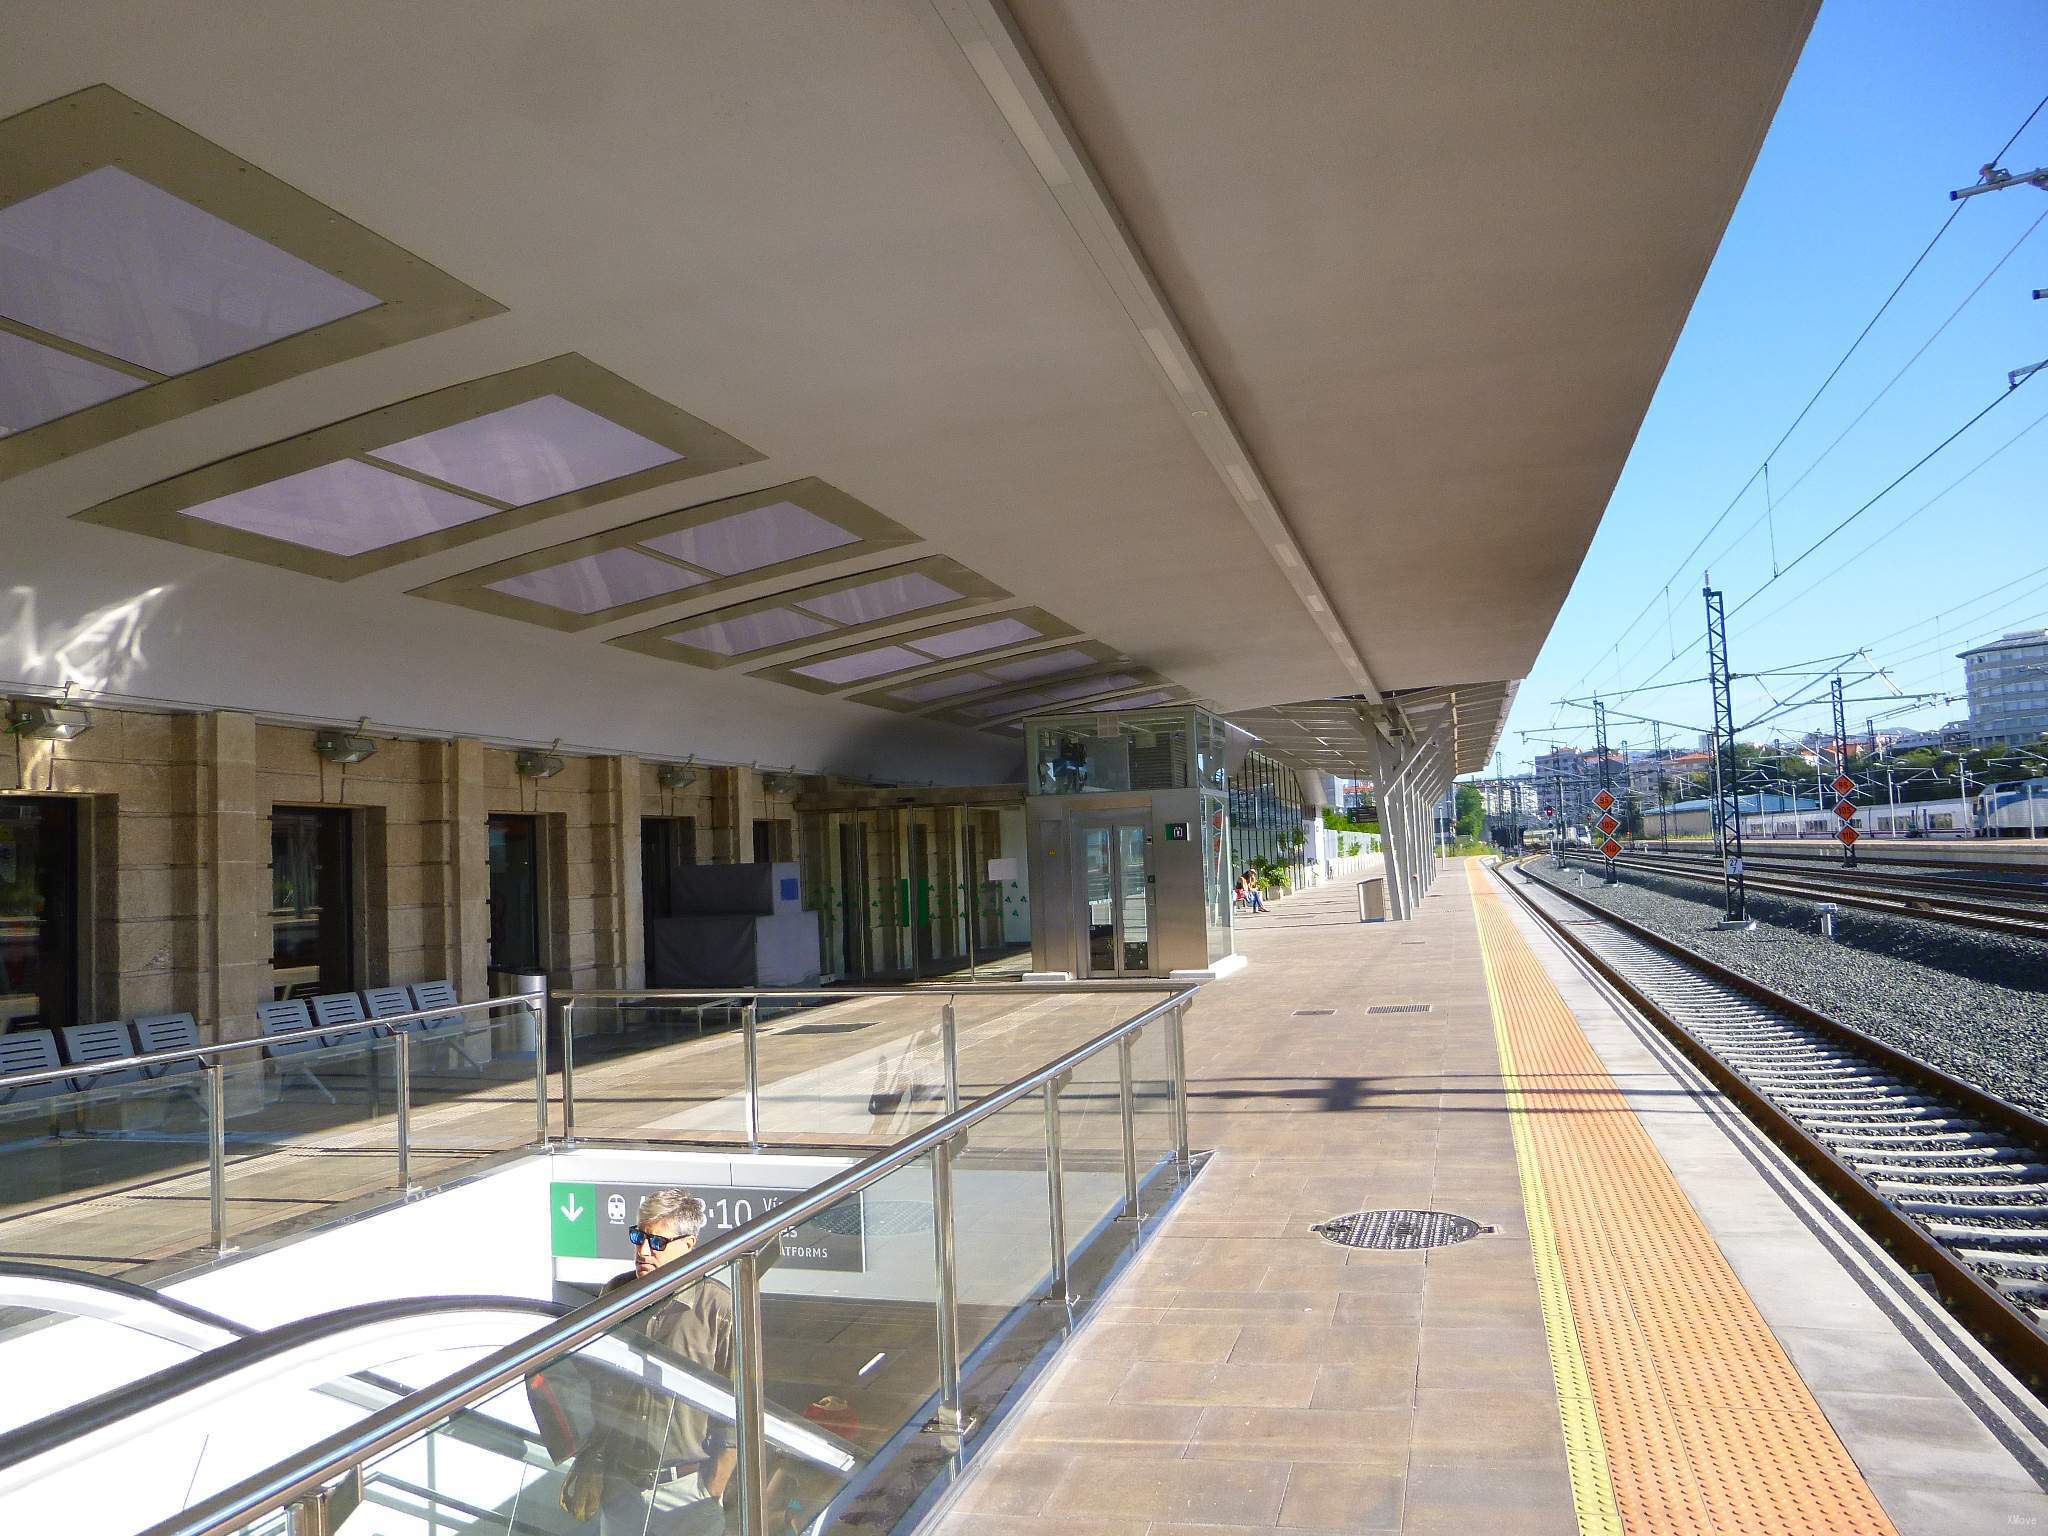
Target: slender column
<point>951,1421</point>
<point>568,1072</point>
<point>750,1048</point>
<point>1055,1190</point>
<point>217,1151</point>
<point>1177,1085</point>
<point>749,1390</point>
<point>402,1071</point>
<point>1127,1106</point>
<point>949,1044</point>
<point>540,1066</point>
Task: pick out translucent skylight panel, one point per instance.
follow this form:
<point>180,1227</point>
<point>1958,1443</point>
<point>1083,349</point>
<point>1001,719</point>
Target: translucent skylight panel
<point>978,637</point>
<point>1046,664</point>
<point>39,383</point>
<point>746,541</point>
<point>345,508</point>
<point>1087,686</point>
<point>752,632</point>
<point>1054,695</point>
<point>1011,705</point>
<point>594,583</point>
<point>942,688</point>
<point>117,264</point>
<point>863,665</point>
<point>529,452</point>
<point>884,600</point>
<point>1136,701</point>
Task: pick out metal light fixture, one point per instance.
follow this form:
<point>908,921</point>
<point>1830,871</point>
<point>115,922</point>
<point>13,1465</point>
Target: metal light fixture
<point>779,782</point>
<point>539,765</point>
<point>676,775</point>
<point>47,719</point>
<point>345,747</point>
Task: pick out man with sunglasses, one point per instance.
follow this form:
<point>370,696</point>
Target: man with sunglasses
<point>656,1466</point>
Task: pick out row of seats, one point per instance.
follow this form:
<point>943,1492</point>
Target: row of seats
<point>38,1050</point>
<point>346,1016</point>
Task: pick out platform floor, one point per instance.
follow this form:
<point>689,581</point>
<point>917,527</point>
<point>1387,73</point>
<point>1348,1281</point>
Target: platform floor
<point>1660,1335</point>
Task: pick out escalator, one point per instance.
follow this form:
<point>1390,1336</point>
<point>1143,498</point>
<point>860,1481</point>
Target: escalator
<point>124,1458</point>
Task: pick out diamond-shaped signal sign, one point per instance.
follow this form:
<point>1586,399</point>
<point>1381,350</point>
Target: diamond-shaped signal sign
<point>1847,834</point>
<point>1843,784</point>
<point>1610,848</point>
<point>1608,825</point>
<point>1844,809</point>
<point>1604,800</point>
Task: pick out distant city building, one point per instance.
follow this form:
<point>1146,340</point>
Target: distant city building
<point>2007,682</point>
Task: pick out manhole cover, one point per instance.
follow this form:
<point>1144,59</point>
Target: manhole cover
<point>1312,1013</point>
<point>1399,1008</point>
<point>1398,1229</point>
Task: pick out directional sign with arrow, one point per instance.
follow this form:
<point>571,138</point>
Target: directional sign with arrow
<point>573,1212</point>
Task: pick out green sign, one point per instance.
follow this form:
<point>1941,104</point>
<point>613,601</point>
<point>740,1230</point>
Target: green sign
<point>1176,831</point>
<point>573,1209</point>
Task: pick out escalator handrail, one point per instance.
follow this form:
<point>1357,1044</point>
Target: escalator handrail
<point>231,1508</point>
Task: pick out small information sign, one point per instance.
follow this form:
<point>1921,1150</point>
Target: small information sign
<point>1844,809</point>
<point>1604,800</point>
<point>1844,784</point>
<point>1847,835</point>
<point>1610,848</point>
<point>1609,825</point>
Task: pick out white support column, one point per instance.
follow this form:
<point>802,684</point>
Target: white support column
<point>1386,769</point>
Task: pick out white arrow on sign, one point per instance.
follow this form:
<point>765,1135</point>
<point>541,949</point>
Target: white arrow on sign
<point>571,1209</point>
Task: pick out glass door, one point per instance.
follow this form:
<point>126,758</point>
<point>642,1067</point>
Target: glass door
<point>1116,898</point>
<point>515,894</point>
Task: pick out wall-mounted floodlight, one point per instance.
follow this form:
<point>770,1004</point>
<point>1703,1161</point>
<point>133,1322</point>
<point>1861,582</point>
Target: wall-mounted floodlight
<point>344,747</point>
<point>779,783</point>
<point>47,720</point>
<point>676,775</point>
<point>539,765</point>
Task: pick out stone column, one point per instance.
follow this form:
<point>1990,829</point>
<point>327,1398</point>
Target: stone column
<point>466,866</point>
<point>233,828</point>
<point>615,838</point>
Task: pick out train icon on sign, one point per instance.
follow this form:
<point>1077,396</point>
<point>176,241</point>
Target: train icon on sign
<point>615,1210</point>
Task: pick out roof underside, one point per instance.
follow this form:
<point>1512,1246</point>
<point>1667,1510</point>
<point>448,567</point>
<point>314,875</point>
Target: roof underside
<point>1244,353</point>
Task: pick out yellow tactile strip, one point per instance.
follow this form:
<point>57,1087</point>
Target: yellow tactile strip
<point>1704,1425</point>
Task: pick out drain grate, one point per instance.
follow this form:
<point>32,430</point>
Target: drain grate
<point>876,1218</point>
<point>1399,1008</point>
<point>1398,1229</point>
<point>1313,1013</point>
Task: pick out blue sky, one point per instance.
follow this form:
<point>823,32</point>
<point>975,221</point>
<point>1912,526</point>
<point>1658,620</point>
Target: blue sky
<point>1891,105</point>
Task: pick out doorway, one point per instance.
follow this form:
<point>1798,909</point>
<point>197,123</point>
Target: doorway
<point>515,899</point>
<point>312,901</point>
<point>1116,898</point>
<point>39,885</point>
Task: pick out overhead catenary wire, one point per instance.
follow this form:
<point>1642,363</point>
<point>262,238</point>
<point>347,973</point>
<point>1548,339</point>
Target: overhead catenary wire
<point>1686,562</point>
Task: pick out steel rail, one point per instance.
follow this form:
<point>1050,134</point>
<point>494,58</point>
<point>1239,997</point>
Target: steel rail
<point>1988,1313</point>
<point>1862,873</point>
<point>1957,914</point>
<point>275,1487</point>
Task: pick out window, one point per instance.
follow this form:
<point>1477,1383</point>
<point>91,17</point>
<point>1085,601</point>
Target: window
<point>312,902</point>
<point>515,894</point>
<point>39,962</point>
<point>774,842</point>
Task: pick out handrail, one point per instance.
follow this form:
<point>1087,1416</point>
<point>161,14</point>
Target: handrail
<point>1004,988</point>
<point>198,1053</point>
<point>276,1486</point>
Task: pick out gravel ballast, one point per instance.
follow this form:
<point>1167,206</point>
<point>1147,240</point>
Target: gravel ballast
<point>1974,1004</point>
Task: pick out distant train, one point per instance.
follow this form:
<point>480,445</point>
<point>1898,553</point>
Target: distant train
<point>2002,810</point>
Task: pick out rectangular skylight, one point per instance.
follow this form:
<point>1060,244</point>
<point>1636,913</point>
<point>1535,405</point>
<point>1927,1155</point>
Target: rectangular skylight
<point>1044,664</point>
<point>114,263</point>
<point>609,579</point>
<point>39,383</point>
<point>1019,703</point>
<point>942,688</point>
<point>752,631</point>
<point>977,637</point>
<point>884,599</point>
<point>345,508</point>
<point>862,665</point>
<point>529,452</point>
<point>746,541</point>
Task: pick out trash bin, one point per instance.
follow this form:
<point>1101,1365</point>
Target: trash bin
<point>1372,901</point>
<point>513,1032</point>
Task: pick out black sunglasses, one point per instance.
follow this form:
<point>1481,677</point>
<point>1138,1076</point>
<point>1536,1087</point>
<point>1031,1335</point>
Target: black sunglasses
<point>636,1237</point>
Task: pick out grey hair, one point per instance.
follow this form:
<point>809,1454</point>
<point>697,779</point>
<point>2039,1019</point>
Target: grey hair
<point>686,1211</point>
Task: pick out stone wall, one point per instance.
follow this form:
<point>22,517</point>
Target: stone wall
<point>175,905</point>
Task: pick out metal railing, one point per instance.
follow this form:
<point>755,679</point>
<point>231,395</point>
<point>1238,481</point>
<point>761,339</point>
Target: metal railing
<point>295,1484</point>
<point>215,1060</point>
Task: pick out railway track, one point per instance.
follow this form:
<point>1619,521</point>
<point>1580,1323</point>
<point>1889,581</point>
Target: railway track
<point>2018,911</point>
<point>1951,1177</point>
<point>2024,887</point>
